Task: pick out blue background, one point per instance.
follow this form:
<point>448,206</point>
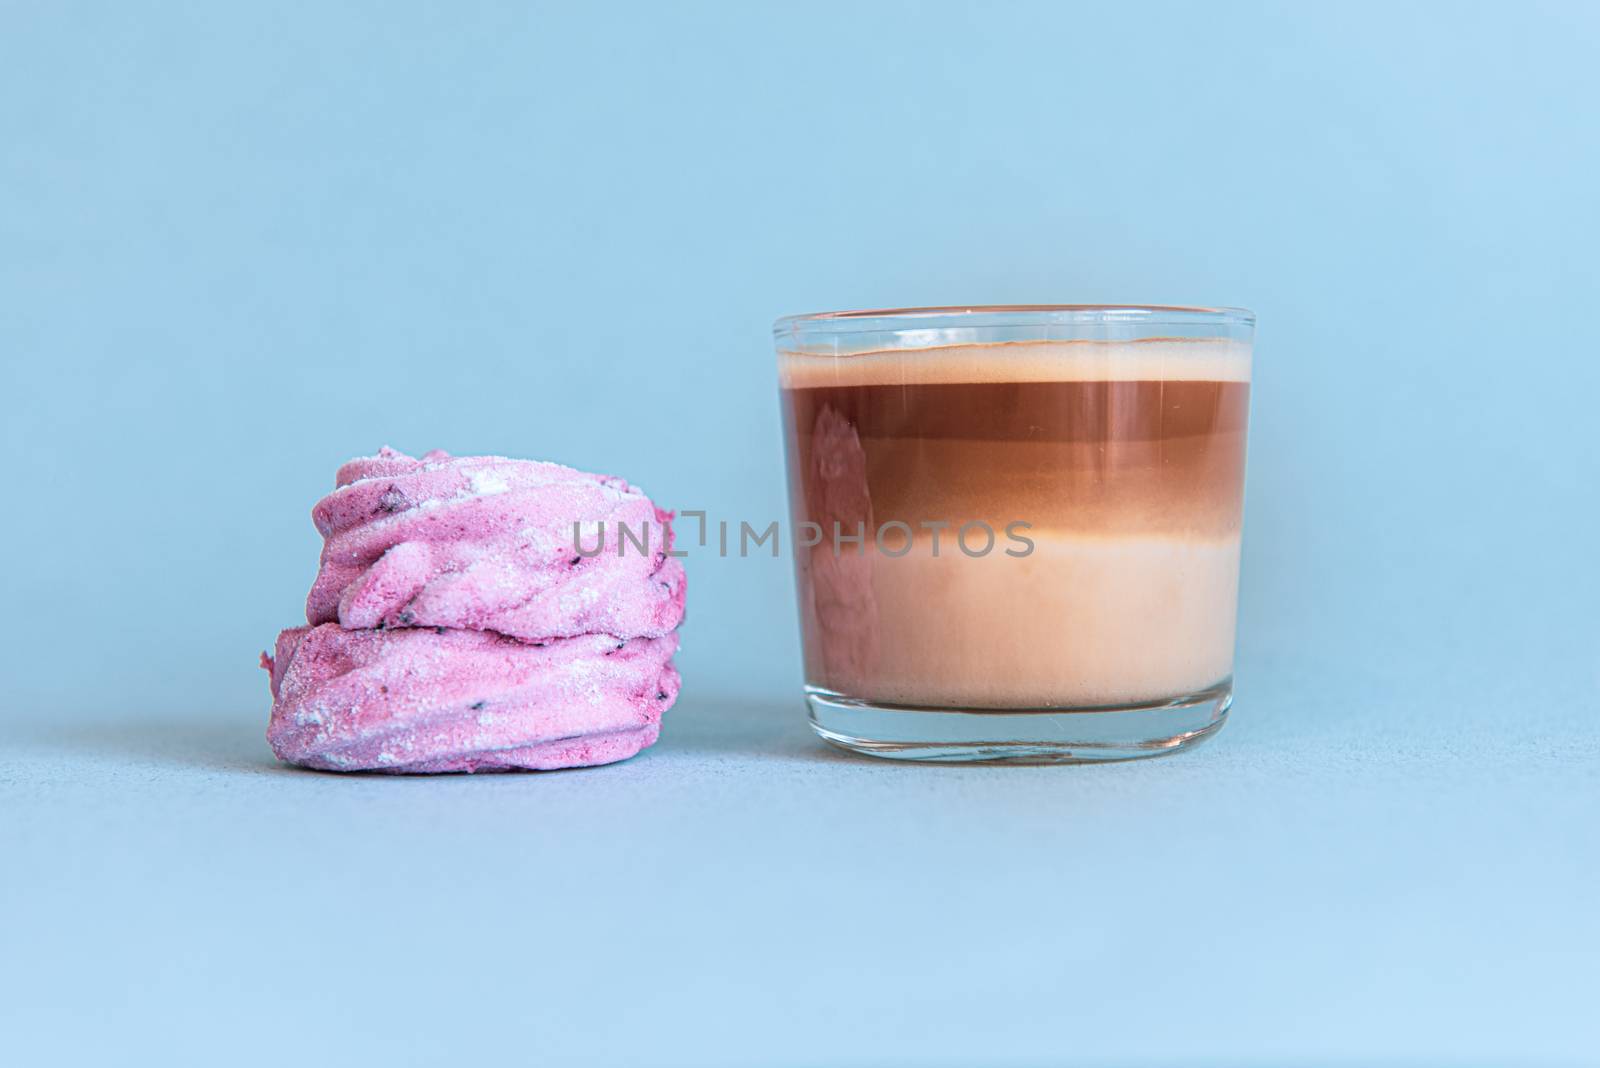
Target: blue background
<point>239,244</point>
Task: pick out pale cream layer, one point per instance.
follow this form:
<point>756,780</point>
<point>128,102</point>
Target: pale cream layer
<point>1151,360</point>
<point>1083,621</point>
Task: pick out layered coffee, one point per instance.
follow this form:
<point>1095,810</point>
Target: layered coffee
<point>1049,524</point>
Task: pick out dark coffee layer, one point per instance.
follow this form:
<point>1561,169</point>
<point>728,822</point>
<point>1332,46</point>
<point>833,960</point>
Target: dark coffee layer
<point>1080,457</point>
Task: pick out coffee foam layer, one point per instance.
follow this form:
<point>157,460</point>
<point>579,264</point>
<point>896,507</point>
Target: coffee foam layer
<point>1152,360</point>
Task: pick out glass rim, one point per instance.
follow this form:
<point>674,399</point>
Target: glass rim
<point>878,320</point>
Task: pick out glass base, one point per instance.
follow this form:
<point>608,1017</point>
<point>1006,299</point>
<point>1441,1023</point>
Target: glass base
<point>1020,735</point>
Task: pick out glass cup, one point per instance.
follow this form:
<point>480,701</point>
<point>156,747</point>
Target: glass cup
<point>1016,529</point>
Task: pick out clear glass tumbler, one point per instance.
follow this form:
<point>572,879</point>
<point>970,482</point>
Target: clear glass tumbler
<point>1016,529</point>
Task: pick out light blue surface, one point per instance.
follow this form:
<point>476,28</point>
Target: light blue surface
<point>238,245</point>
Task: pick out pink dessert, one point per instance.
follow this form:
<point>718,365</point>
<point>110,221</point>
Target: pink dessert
<point>488,543</point>
<point>459,622</point>
<point>454,700</point>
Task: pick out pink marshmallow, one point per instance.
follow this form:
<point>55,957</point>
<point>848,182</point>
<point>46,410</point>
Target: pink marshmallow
<point>453,700</point>
<point>488,543</point>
